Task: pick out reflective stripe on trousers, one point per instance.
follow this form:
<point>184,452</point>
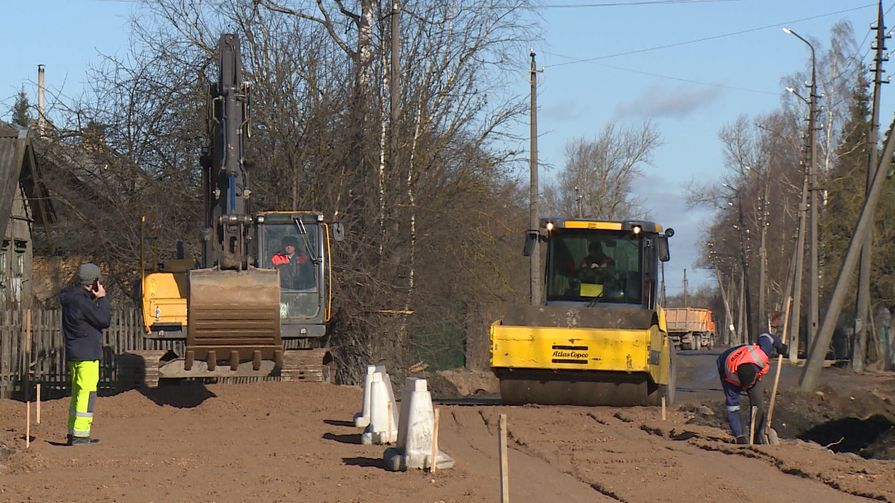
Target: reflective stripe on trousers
<point>84,378</point>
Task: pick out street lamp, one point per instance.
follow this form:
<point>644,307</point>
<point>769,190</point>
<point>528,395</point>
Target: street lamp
<point>812,205</point>
<point>792,90</point>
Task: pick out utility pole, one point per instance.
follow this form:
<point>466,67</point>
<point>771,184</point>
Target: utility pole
<point>578,202</point>
<point>728,318</point>
<point>763,254</point>
<point>747,323</point>
<point>686,294</point>
<point>813,274</point>
<point>862,309</point>
<point>797,280</point>
<point>533,195</point>
<point>819,348</point>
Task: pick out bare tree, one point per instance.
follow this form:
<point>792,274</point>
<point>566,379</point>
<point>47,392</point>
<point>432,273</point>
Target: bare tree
<point>430,238</point>
<point>597,178</point>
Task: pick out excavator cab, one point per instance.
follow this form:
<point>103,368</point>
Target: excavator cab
<point>297,245</point>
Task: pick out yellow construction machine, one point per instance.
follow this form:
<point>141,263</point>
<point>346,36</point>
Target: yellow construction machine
<point>599,336</point>
<point>238,314</point>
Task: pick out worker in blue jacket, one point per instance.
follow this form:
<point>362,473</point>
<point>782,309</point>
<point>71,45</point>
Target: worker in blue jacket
<point>741,369</point>
<point>85,313</point>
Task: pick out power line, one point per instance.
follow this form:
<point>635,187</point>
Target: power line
<point>705,39</point>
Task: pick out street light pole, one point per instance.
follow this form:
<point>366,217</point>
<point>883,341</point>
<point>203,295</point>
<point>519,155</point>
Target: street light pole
<point>813,277</point>
<point>862,308</point>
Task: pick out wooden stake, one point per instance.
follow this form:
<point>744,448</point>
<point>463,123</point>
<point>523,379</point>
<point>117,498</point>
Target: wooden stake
<point>779,365</point>
<point>38,403</point>
<point>504,468</point>
<point>27,425</point>
<point>27,377</point>
<point>663,408</point>
<point>752,426</point>
<point>433,461</point>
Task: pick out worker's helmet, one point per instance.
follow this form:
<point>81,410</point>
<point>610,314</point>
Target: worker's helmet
<point>290,241</point>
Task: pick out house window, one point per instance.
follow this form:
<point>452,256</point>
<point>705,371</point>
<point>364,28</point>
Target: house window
<point>4,270</point>
<point>17,277</point>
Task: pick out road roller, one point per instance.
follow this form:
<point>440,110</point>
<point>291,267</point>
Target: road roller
<point>597,334</point>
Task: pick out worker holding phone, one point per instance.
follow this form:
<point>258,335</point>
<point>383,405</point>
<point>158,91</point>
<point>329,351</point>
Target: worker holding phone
<point>86,311</point>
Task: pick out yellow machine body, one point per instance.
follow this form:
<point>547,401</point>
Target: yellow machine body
<point>164,302</point>
<point>558,348</point>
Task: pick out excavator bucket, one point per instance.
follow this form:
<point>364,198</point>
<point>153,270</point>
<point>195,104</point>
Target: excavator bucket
<point>234,317</point>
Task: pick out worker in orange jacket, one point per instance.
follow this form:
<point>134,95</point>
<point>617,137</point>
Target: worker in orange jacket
<point>741,369</point>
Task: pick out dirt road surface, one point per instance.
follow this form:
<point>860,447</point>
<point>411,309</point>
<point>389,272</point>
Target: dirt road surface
<point>296,442</point>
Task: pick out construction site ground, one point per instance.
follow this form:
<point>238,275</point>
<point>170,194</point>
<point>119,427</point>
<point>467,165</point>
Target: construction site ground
<point>280,441</point>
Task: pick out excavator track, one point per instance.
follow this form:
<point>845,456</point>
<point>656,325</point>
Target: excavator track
<point>140,368</point>
<point>307,365</point>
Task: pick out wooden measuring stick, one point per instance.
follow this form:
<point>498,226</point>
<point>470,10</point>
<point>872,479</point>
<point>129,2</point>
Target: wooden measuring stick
<point>27,369</point>
<point>38,403</point>
<point>433,460</point>
<point>752,426</point>
<point>504,468</point>
<point>663,408</point>
<point>779,365</point>
<point>27,424</point>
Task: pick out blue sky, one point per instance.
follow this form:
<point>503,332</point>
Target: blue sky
<point>643,68</point>
<point>689,91</point>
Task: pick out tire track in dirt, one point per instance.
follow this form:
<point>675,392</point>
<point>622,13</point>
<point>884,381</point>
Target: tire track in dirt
<point>625,456</point>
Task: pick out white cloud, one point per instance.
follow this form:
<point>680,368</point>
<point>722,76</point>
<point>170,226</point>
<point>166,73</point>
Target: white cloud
<point>658,101</point>
<point>563,111</point>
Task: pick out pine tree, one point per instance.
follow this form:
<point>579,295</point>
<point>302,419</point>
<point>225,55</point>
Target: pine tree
<point>21,110</point>
<point>845,188</point>
<point>844,185</point>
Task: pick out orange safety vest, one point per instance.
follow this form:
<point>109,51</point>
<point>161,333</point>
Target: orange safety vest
<point>748,353</point>
<point>282,258</point>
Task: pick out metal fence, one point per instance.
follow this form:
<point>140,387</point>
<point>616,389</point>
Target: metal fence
<point>34,336</point>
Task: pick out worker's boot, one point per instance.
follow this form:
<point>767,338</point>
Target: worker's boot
<point>82,441</point>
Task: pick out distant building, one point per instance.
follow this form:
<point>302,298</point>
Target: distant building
<point>23,203</point>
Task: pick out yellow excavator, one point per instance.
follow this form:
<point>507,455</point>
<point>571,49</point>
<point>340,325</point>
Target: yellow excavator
<point>239,314</point>
<point>599,337</point>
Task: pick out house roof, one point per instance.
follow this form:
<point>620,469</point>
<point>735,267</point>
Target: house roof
<point>19,169</point>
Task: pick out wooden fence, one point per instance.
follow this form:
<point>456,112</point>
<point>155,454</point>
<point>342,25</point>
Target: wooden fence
<point>44,350</point>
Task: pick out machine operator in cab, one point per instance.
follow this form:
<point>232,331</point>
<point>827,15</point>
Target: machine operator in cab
<point>296,269</point>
